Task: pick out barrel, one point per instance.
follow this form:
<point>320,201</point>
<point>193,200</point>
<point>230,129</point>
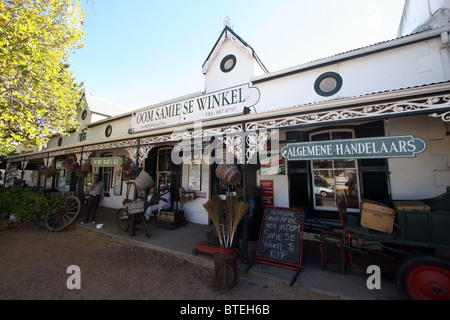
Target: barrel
<point>225,268</point>
<point>229,173</point>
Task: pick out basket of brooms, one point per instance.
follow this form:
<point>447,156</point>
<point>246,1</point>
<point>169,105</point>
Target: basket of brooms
<point>225,257</point>
<point>226,224</point>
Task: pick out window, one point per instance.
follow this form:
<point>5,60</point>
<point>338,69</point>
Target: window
<point>164,167</point>
<point>335,177</point>
<point>108,131</point>
<point>106,173</point>
<point>328,84</point>
<point>228,63</point>
<point>83,137</point>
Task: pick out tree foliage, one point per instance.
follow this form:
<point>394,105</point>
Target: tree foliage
<point>38,92</point>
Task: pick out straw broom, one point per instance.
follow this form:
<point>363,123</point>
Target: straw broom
<point>214,209</point>
<point>231,201</point>
<point>240,210</point>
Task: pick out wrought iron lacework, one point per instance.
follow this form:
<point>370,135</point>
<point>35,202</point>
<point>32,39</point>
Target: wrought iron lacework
<point>361,112</point>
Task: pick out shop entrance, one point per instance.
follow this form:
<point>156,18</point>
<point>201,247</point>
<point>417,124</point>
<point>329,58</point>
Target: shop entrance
<point>160,165</point>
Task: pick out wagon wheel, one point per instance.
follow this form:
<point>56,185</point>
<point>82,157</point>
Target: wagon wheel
<point>424,278</point>
<point>123,219</point>
<point>61,216</point>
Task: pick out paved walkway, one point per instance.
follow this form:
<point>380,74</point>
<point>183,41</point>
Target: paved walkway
<point>311,280</point>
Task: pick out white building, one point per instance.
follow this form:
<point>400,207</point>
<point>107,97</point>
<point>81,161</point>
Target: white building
<point>390,101</point>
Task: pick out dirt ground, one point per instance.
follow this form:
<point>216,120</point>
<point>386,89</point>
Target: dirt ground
<point>34,265</point>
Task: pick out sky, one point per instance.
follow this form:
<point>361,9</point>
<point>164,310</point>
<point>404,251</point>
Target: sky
<point>143,52</point>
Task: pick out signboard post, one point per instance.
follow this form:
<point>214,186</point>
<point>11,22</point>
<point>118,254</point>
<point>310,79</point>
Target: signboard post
<point>281,239</point>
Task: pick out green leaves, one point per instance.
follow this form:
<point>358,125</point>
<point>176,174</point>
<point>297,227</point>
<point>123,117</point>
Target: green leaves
<point>38,93</point>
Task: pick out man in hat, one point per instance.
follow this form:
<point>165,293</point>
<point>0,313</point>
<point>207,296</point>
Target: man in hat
<point>164,202</point>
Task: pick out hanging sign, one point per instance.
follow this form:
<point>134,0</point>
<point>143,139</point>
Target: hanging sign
<point>380,147</point>
<point>106,162</point>
<point>219,104</point>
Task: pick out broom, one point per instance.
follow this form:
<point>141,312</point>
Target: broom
<point>214,209</point>
<point>231,201</point>
<point>240,210</point>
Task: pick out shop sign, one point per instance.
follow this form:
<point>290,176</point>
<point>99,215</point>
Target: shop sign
<point>406,146</point>
<point>219,104</point>
<point>267,192</point>
<point>106,162</point>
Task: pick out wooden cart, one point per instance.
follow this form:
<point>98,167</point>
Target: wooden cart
<point>420,242</point>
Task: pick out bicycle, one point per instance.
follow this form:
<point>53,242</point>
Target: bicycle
<point>132,209</point>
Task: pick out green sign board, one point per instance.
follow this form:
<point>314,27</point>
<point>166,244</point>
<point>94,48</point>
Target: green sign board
<point>380,147</point>
<point>106,162</point>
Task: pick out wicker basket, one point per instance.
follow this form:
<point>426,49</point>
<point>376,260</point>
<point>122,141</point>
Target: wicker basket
<point>126,164</point>
<point>50,171</point>
<point>143,181</point>
<point>87,166</point>
<point>229,173</point>
<point>70,164</point>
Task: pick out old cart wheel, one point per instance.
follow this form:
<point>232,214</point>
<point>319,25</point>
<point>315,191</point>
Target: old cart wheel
<point>60,216</point>
<point>424,278</point>
<point>123,219</point>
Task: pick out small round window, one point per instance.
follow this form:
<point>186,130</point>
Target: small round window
<point>328,84</point>
<point>228,63</point>
<point>84,114</point>
<point>108,131</point>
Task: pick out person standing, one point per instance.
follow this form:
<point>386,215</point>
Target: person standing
<point>96,193</point>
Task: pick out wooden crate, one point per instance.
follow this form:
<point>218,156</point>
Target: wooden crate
<point>410,205</point>
<point>171,216</point>
<point>377,216</point>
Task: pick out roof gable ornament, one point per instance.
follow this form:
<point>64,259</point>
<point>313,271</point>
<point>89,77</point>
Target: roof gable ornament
<point>227,23</point>
<point>227,34</point>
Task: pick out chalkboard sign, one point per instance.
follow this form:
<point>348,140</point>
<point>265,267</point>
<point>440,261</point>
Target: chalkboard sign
<point>281,235</point>
<point>281,238</point>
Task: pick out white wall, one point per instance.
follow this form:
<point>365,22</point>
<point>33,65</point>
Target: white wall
<point>404,67</point>
<point>416,13</point>
<point>428,174</point>
<point>216,80</point>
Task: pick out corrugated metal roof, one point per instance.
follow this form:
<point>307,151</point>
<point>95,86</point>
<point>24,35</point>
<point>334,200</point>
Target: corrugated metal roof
<point>104,107</point>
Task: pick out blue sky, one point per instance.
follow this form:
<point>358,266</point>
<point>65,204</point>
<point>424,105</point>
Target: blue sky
<point>143,52</point>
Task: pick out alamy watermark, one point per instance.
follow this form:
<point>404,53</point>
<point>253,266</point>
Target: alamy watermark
<point>229,148</point>
<point>73,281</point>
<point>374,280</point>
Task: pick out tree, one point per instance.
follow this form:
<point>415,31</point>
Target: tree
<point>38,93</point>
